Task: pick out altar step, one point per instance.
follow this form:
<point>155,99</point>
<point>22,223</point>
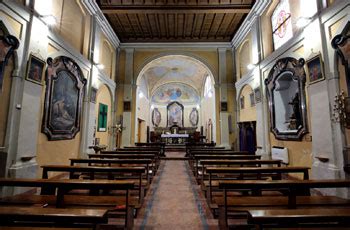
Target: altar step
<point>175,148</point>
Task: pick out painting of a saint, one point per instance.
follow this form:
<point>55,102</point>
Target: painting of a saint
<point>175,114</point>
<point>64,94</point>
<point>156,117</point>
<point>194,117</point>
<point>65,87</point>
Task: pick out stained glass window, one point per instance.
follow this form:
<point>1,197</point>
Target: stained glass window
<point>281,24</point>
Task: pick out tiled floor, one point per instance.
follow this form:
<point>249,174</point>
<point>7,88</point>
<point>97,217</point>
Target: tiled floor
<point>174,201</point>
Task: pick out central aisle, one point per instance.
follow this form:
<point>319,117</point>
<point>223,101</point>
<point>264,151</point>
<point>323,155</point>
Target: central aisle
<point>174,201</point>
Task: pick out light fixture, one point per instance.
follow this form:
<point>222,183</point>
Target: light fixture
<point>152,107</point>
<point>140,95</point>
<point>197,106</point>
<point>50,20</point>
<point>302,22</point>
<point>251,66</point>
<point>100,66</point>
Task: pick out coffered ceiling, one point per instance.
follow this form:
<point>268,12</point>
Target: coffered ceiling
<point>175,20</point>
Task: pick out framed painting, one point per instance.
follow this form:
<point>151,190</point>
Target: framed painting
<point>8,45</point>
<point>156,117</point>
<point>35,70</point>
<point>315,69</point>
<point>194,117</point>
<point>65,88</point>
<point>93,95</point>
<point>175,114</point>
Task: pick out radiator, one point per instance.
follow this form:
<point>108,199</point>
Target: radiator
<point>280,153</point>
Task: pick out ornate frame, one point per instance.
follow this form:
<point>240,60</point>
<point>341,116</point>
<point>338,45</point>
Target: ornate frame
<point>195,112</point>
<point>182,113</point>
<point>35,62</point>
<point>155,112</point>
<point>65,88</point>
<point>295,67</point>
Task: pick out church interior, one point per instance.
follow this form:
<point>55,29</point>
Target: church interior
<point>174,114</point>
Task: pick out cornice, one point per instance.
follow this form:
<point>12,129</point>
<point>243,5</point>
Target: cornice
<point>93,9</point>
<point>246,26</point>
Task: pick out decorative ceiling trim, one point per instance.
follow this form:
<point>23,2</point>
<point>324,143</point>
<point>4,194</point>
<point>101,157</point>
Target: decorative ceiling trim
<point>258,8</point>
<point>94,9</point>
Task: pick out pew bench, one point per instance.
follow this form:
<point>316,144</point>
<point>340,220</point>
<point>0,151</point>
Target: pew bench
<point>300,218</point>
<point>197,158</point>
<point>297,197</point>
<point>239,163</point>
<point>110,171</point>
<point>121,162</point>
<point>59,206</point>
<point>256,173</point>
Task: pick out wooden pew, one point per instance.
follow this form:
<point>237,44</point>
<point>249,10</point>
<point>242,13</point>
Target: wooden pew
<point>24,208</point>
<point>152,144</point>
<point>258,207</point>
<point>197,158</point>
<point>92,170</point>
<point>257,172</point>
<point>240,163</point>
<point>128,156</point>
<point>143,162</point>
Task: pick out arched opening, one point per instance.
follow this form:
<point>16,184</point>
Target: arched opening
<point>103,112</point>
<point>247,120</point>
<point>181,79</point>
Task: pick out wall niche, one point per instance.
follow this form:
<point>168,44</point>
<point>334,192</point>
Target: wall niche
<point>286,95</point>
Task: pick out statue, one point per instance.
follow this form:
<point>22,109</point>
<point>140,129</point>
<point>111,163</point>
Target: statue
<point>295,118</point>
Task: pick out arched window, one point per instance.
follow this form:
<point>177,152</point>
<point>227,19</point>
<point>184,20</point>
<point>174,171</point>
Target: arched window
<point>208,88</point>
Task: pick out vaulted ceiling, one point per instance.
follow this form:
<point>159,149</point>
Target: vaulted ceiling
<point>175,20</point>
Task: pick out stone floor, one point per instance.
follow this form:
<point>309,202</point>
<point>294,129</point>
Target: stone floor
<point>175,201</point>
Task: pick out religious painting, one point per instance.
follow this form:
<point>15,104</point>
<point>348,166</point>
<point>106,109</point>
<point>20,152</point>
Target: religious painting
<point>102,117</point>
<point>156,117</point>
<point>257,94</point>
<point>35,69</point>
<point>127,106</point>
<point>241,102</point>
<point>194,117</point>
<point>93,95</point>
<point>169,92</point>
<point>315,68</point>
<point>223,106</point>
<point>8,44</point>
<point>175,114</point>
<point>65,88</point>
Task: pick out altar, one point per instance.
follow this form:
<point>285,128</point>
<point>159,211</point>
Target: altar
<point>175,138</point>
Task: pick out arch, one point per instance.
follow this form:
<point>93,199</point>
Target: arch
<point>244,57</point>
<point>104,98</point>
<point>141,70</point>
<point>107,57</point>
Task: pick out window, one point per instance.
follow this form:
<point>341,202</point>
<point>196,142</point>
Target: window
<point>281,24</point>
<point>102,118</point>
<point>208,88</point>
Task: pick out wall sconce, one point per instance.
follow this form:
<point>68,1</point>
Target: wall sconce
<point>341,110</point>
<point>302,22</point>
<point>49,20</point>
<point>251,66</point>
<point>99,66</point>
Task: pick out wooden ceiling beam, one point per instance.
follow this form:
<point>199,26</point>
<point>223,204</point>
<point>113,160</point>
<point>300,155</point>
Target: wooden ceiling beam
<point>184,9</point>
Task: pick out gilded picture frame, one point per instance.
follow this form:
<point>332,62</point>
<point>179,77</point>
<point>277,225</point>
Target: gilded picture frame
<point>35,70</point>
<point>315,69</point>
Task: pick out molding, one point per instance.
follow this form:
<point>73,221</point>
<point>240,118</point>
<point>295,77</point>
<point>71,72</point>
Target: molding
<point>160,45</point>
<point>333,10</point>
<point>258,8</point>
<point>95,10</point>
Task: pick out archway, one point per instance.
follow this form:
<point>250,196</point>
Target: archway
<point>103,112</point>
<point>176,78</point>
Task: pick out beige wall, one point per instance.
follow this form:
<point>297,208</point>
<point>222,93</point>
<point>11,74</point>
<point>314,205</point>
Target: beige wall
<point>248,113</point>
<point>71,14</point>
<point>104,97</point>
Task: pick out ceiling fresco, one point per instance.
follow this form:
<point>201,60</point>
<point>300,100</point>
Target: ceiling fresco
<point>182,93</point>
<point>175,68</point>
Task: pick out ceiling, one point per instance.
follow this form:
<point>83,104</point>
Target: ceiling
<point>175,69</point>
<point>175,20</point>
